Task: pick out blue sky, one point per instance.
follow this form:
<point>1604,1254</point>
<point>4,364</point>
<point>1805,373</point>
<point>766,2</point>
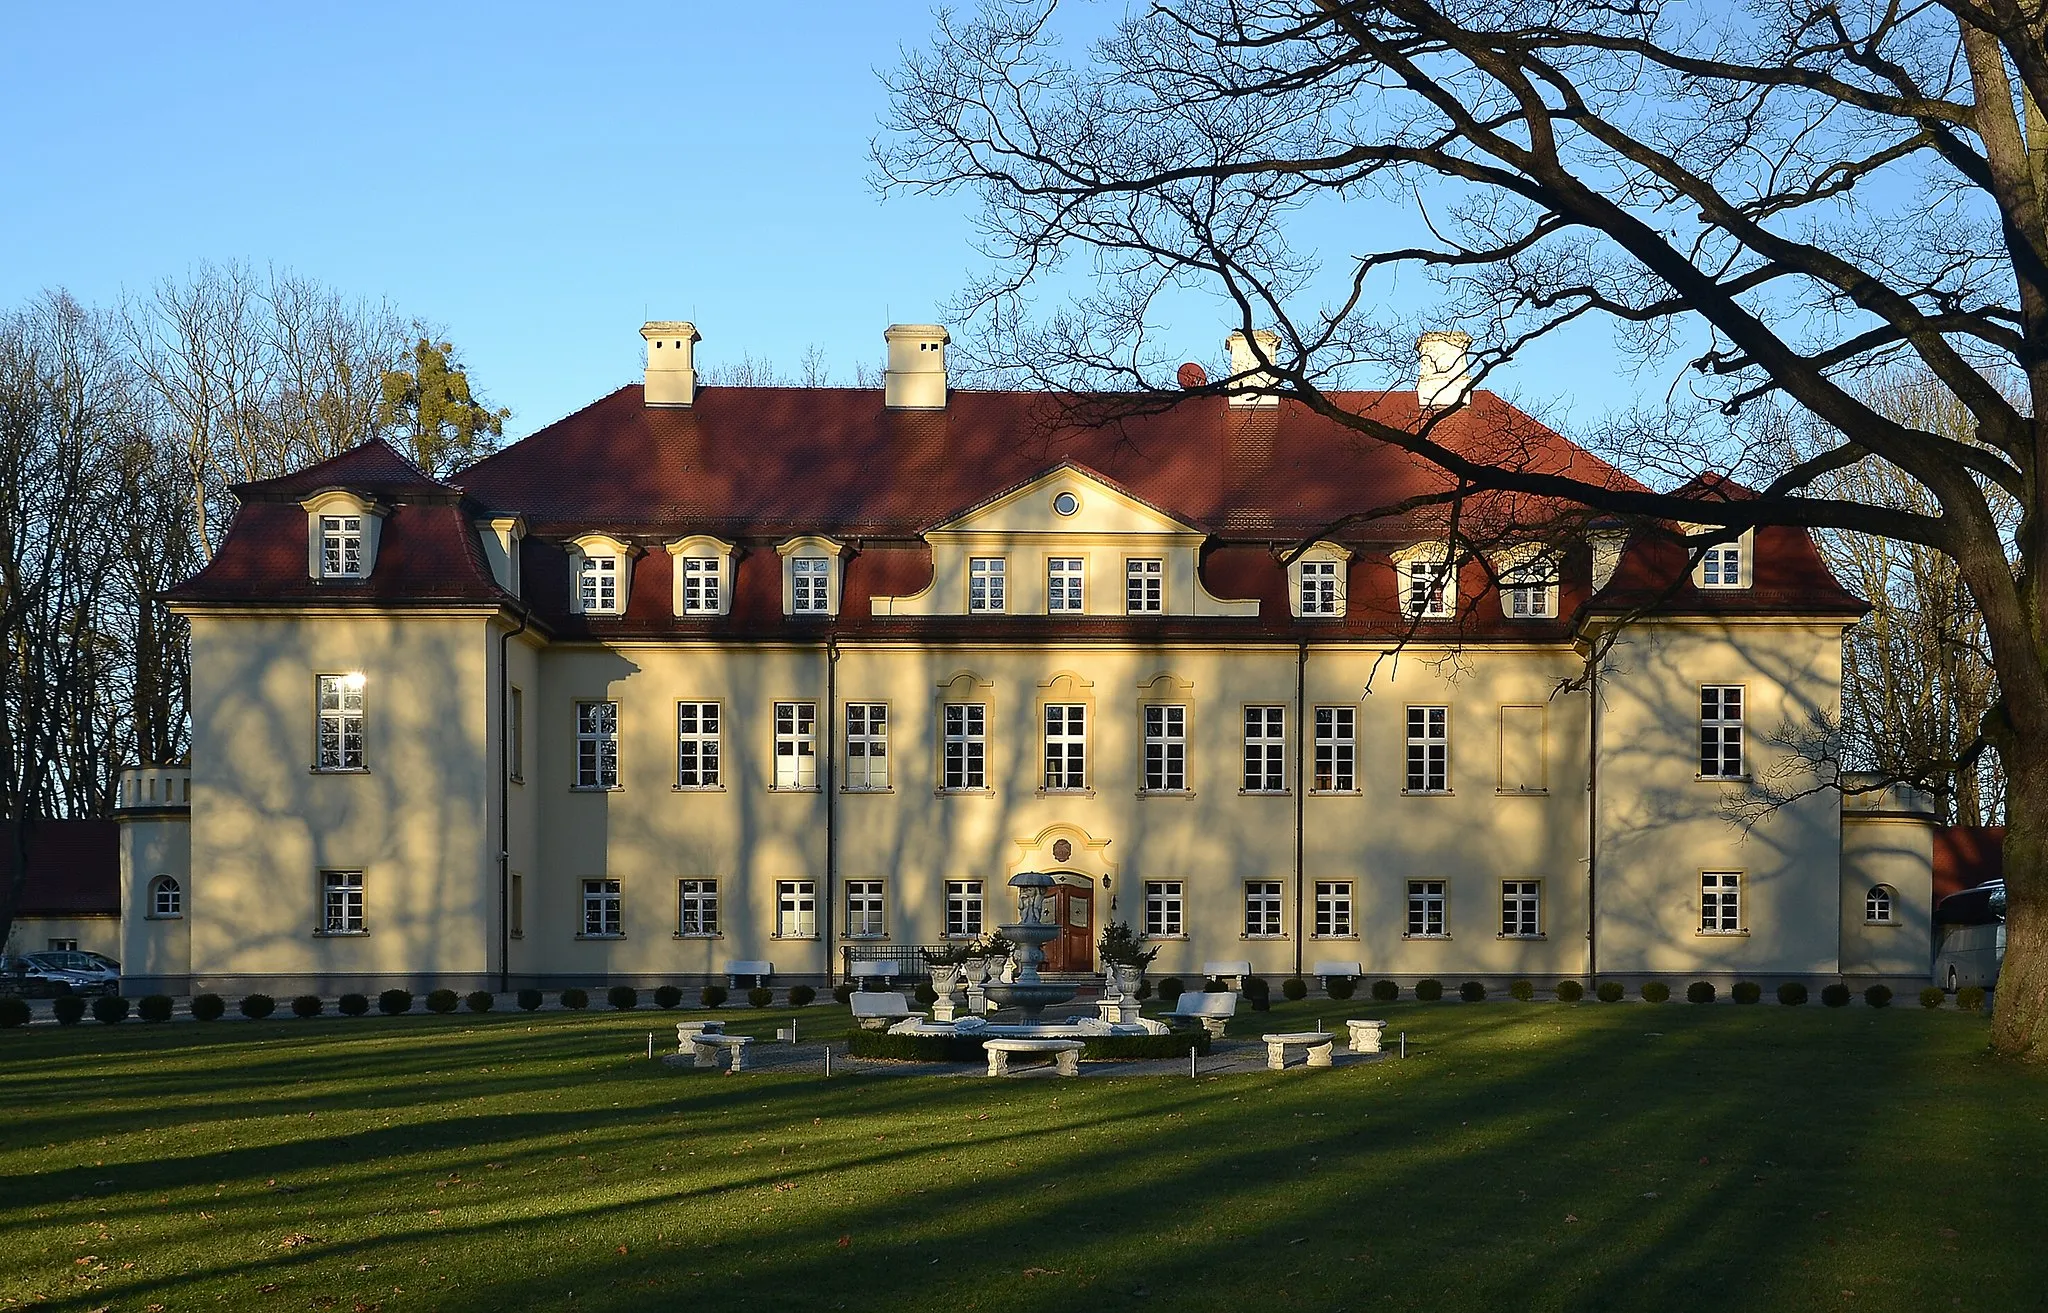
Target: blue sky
<point>537,180</point>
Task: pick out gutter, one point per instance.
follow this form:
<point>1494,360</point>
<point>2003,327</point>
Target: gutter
<point>1301,732</point>
<point>831,812</point>
<point>505,800</point>
<point>1593,827</point>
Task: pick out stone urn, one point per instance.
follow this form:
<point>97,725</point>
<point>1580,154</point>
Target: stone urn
<point>945,979</point>
<point>976,971</point>
<point>1127,978</point>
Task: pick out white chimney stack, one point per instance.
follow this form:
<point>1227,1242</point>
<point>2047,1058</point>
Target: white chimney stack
<point>671,351</point>
<point>916,377</point>
<point>1249,373</point>
<point>1443,379</point>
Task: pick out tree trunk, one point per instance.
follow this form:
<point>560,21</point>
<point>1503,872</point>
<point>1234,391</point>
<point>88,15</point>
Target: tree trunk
<point>2020,1020</point>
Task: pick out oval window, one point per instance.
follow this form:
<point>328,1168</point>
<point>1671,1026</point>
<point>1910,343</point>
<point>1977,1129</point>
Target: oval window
<point>1066,503</point>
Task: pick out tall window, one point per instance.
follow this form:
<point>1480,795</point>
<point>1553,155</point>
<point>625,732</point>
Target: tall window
<point>796,745</point>
<point>1427,593</point>
<point>1262,909</point>
<point>1429,749</point>
<point>1333,909</point>
<point>1721,731</point>
<point>696,908</point>
<point>1426,909</point>
<point>810,578</point>
<point>864,909</point>
<point>1721,902</point>
<point>1336,749</point>
<point>341,902</point>
<point>165,897</point>
<point>963,908</point>
<point>597,745</point>
<point>341,546</point>
<point>1319,588</point>
<point>1721,567</point>
<point>1529,590</point>
<point>340,737</point>
<point>1265,749</point>
<point>1163,908</point>
<point>985,578</point>
<point>517,753</point>
<point>1063,585</point>
<point>601,910</point>
<point>867,745</point>
<point>965,750</point>
<point>697,745</point>
<point>1066,745</point>
<point>1144,585</point>
<point>599,581</point>
<point>796,909</point>
<point>1166,749</point>
<point>1880,905</point>
<point>1519,907</point>
<point>702,576</point>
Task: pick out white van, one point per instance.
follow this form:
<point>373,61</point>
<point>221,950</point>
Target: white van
<point>1969,937</point>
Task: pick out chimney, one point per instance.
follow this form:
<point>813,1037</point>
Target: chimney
<point>671,377</point>
<point>1245,367</point>
<point>1442,379</point>
<point>916,377</point>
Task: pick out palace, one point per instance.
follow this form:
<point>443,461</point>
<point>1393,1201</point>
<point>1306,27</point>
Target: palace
<point>707,675</point>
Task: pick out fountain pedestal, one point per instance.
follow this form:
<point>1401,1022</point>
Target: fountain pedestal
<point>1032,932</point>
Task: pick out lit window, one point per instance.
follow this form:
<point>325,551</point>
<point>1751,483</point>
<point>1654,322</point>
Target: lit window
<point>1721,902</point>
<point>697,745</point>
<point>341,899</point>
<point>1721,731</point>
<point>340,737</point>
<point>1063,575</point>
<point>1426,909</point>
<point>810,580</point>
<point>599,585</point>
<point>601,910</point>
<point>1262,909</point>
<point>1429,749</point>
<point>165,897</point>
<point>1144,584</point>
<point>597,745</point>
<point>1166,749</point>
<point>1333,909</point>
<point>341,546</point>
<point>963,909</point>
<point>1519,906</point>
<point>1265,749</point>
<point>867,745</point>
<point>864,909</point>
<point>965,750</point>
<point>985,578</point>
<point>702,576</point>
<point>1721,567</point>
<point>697,908</point>
<point>1880,905</point>
<point>1319,588</point>
<point>1426,591</point>
<point>1066,746</point>
<point>796,909</point>
<point>796,745</point>
<point>1163,909</point>
<point>1336,749</point>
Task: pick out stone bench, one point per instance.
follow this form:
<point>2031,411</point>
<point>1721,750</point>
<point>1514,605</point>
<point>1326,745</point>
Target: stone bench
<point>875,1009</point>
<point>862,972</point>
<point>1366,1035</point>
<point>706,1044</point>
<point>1235,972</point>
<point>1325,971</point>
<point>757,972</point>
<point>1319,1044</point>
<point>1066,1054</point>
<point>686,1031</point>
<point>1214,1011</point>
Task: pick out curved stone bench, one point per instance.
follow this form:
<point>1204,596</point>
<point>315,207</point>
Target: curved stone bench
<point>1066,1054</point>
<point>704,1045</point>
<point>1318,1043</point>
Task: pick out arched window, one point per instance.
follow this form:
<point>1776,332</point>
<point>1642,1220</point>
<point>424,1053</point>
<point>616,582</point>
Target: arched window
<point>166,898</point>
<point>1880,905</point>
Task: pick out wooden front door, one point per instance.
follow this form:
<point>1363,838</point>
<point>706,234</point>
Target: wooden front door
<point>1074,950</point>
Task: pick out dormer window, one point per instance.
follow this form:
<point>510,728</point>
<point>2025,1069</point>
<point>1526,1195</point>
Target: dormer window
<point>1528,584</point>
<point>702,566</point>
<point>1728,564</point>
<point>810,576</point>
<point>602,567</point>
<point>702,580</point>
<point>341,535</point>
<point>341,546</point>
<point>1428,583</point>
<point>599,582</point>
<point>1316,581</point>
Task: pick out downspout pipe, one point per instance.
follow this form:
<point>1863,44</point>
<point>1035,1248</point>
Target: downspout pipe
<point>505,799</point>
<point>830,917</point>
<point>1593,827</point>
<point>1301,732</point>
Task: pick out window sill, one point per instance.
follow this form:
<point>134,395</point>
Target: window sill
<point>962,937</point>
<point>792,788</point>
<point>1725,779</point>
<point>866,939</point>
<point>1265,793</point>
<point>163,916</point>
<point>696,934</point>
<point>1065,793</point>
<point>1181,938</point>
<point>1263,939</point>
<point>794,939</point>
<point>594,788</point>
<point>1720,934</point>
<point>1166,793</point>
<point>607,937</point>
<point>1336,793</point>
<point>1870,925</point>
<point>1521,793</point>
<point>1525,938</point>
<point>699,615</point>
<point>340,934</point>
<point>1429,793</point>
<point>1351,938</point>
<point>696,788</point>
<point>869,788</point>
<point>963,793</point>
<point>337,770</point>
<point>1436,937</point>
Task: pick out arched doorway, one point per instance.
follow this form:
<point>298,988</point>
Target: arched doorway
<point>1084,895</point>
<point>1073,903</point>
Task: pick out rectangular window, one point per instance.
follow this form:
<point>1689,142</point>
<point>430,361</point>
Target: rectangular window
<point>1265,749</point>
<point>1166,749</point>
<point>62,945</point>
<point>1333,909</point>
<point>1163,909</point>
<point>600,585</point>
<point>796,745</point>
<point>810,578</point>
<point>1262,909</point>
<point>341,902</point>
<point>697,745</point>
<point>796,909</point>
<point>1428,594</point>
<point>1721,731</point>
<point>1519,908</point>
<point>963,909</point>
<point>1721,902</point>
<point>1066,746</point>
<point>339,743</point>
<point>1721,567</point>
<point>1429,750</point>
<point>597,745</point>
<point>517,746</point>
<point>1336,749</point>
<point>867,745</point>
<point>965,749</point>
<point>601,914</point>
<point>516,907</point>
<point>1426,909</point>
<point>697,908</point>
<point>1528,591</point>
<point>702,576</point>
<point>341,546</point>
<point>1319,588</point>
<point>1144,585</point>
<point>1063,585</point>
<point>985,591</point>
<point>864,909</point>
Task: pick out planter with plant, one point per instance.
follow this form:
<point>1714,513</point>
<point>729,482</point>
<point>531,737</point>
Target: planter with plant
<point>1124,956</point>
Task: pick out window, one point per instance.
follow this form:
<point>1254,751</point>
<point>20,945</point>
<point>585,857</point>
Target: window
<point>597,745</point>
<point>601,914</point>
<point>1529,591</point>
<point>796,745</point>
<point>62,946</point>
<point>963,909</point>
<point>810,579</point>
<point>341,546</point>
<point>1721,903</point>
<point>867,745</point>
<point>1426,909</point>
<point>1066,746</point>
<point>1721,567</point>
<point>1333,909</point>
<point>1721,731</point>
<point>1144,582</point>
<point>1879,906</point>
<point>599,585</point>
<point>341,902</point>
<point>1319,588</point>
<point>1265,749</point>
<point>1163,909</point>
<point>1336,749</point>
<point>1429,749</point>
<point>965,751</point>
<point>165,897</point>
<point>1166,749</point>
<point>340,739</point>
<point>697,908</point>
<point>1426,590</point>
<point>516,753</point>
<point>702,576</point>
<point>515,907</point>
<point>985,593</point>
<point>1262,909</point>
<point>696,745</point>
<point>864,909</point>
<point>1519,908</point>
<point>1063,585</point>
<point>796,909</point>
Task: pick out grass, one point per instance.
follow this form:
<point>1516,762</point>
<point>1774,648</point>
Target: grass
<point>1524,1157</point>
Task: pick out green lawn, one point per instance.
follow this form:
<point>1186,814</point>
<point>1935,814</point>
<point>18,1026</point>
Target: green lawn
<point>1524,1156</point>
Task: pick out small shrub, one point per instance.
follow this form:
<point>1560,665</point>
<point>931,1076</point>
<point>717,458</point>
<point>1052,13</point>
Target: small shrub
<point>573,997</point>
<point>480,1000</point>
<point>842,994</point>
<point>924,995</point>
<point>1656,991</point>
<point>352,1005</point>
<point>623,998</point>
<point>207,1007</point>
<point>714,996</point>
<point>443,1001</point>
<point>1746,991</point>
<point>1970,998</point>
<point>668,996</point>
<point>1144,990</point>
<point>258,1006</point>
<point>69,1008</point>
<point>1294,988</point>
<point>307,1005</point>
<point>14,1011</point>
<point>1139,1048</point>
<point>1835,995</point>
<point>1792,994</point>
<point>1341,987</point>
<point>1700,991</point>
<point>530,999</point>
<point>155,1008</point>
<point>1610,991</point>
<point>1521,991</point>
<point>1385,991</point>
<point>760,996</point>
<point>1877,996</point>
<point>1570,991</point>
<point>110,1009</point>
<point>913,1048</point>
<point>1429,991</point>
<point>1472,992</point>
<point>1258,993</point>
<point>800,996</point>
<point>394,1002</point>
<point>1170,990</point>
<point>1214,985</point>
<point>1933,996</point>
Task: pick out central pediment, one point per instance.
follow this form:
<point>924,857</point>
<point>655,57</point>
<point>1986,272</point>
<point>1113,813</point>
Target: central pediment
<point>1065,500</point>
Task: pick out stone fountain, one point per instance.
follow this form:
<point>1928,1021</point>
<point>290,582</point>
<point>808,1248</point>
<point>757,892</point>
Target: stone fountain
<point>1032,932</point>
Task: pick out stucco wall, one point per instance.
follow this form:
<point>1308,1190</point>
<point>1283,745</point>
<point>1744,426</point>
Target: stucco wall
<point>155,951</point>
<point>1897,851</point>
<point>95,934</point>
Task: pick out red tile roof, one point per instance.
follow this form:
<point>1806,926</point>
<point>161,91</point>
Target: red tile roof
<point>1966,856</point>
<point>74,868</point>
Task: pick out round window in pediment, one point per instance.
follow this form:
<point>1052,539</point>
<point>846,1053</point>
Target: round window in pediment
<point>1066,503</point>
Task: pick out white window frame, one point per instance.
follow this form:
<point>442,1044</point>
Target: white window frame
<point>703,585</point>
<point>1065,727</point>
<point>697,909</point>
<point>1166,909</point>
<point>1166,747</point>
<point>1429,750</point>
<point>340,722</point>
<point>1521,909</point>
<point>1721,565</point>
<point>867,747</point>
<point>810,585</point>
<point>988,590</point>
<point>1721,733</point>
<point>1144,585</point>
<point>963,909</point>
<point>1721,903</point>
<point>166,898</point>
<point>604,909</point>
<point>1528,588</point>
<point>796,746</point>
<point>1881,905</point>
<point>1265,750</point>
<point>1429,910</point>
<point>341,903</point>
<point>1318,590</point>
<point>343,547</point>
<point>865,913</point>
<point>1066,585</point>
<point>963,747</point>
<point>1333,910</point>
<point>1336,750</point>
<point>1263,909</point>
<point>597,584</point>
<point>1429,586</point>
<point>700,730</point>
<point>796,909</point>
<point>597,745</point>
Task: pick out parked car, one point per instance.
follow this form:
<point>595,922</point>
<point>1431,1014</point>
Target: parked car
<point>83,973</point>
<point>36,978</point>
<point>1969,937</point>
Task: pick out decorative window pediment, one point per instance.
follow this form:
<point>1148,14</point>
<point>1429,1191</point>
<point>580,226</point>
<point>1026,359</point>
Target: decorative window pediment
<point>812,569</point>
<point>342,528</point>
<point>1427,577</point>
<point>702,570</point>
<point>1316,582</point>
<point>1527,575</point>
<point>600,574</point>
